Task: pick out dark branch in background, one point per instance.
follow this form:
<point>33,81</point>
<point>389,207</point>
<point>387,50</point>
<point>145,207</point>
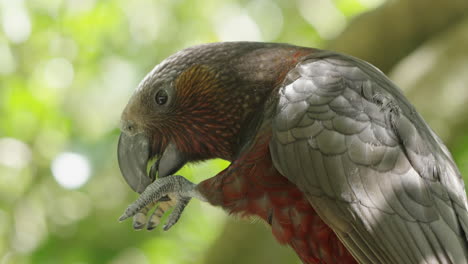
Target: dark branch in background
<point>386,35</point>
<point>439,68</point>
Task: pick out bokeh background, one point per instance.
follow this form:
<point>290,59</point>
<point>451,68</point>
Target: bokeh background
<point>67,68</point>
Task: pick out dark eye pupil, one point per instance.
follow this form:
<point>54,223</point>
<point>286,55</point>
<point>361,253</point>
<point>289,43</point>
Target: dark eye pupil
<point>161,97</point>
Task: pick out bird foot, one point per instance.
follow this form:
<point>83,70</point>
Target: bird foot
<point>179,191</point>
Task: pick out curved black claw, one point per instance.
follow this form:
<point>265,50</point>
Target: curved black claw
<point>159,212</point>
<point>177,212</point>
<point>139,220</point>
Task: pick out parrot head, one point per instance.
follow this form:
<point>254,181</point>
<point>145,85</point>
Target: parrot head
<point>198,104</point>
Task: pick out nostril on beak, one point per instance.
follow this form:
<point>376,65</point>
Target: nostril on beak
<point>128,126</point>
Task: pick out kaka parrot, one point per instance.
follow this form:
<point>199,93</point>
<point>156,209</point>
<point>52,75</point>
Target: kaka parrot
<point>323,147</point>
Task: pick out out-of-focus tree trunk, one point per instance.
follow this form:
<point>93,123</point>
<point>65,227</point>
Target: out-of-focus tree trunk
<point>439,70</point>
<point>386,35</point>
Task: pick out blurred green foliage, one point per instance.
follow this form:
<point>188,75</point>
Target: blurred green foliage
<point>67,68</point>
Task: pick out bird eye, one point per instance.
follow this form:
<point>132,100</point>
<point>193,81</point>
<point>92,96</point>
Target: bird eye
<point>161,97</point>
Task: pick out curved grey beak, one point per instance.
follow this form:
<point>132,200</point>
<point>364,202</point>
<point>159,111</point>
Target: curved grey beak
<point>134,153</point>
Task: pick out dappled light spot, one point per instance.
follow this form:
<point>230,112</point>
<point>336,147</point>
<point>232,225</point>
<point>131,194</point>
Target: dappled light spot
<point>234,24</point>
<point>324,16</point>
<point>145,20</point>
<point>269,17</point>
<point>14,153</point>
<point>29,226</point>
<point>71,170</point>
<point>15,21</point>
<point>58,73</point>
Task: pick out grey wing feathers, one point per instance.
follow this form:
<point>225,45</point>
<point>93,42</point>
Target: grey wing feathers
<point>369,164</point>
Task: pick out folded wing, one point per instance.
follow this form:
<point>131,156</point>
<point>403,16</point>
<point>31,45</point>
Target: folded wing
<point>369,164</point>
